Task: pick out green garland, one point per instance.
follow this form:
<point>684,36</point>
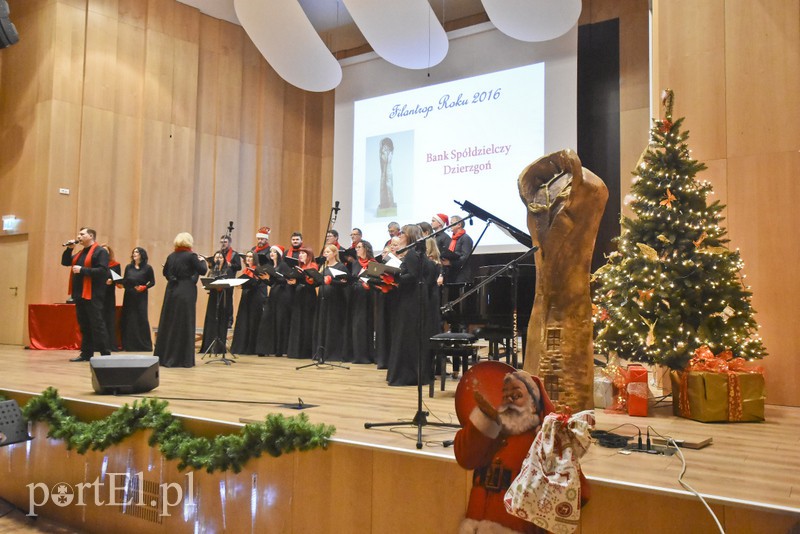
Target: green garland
<point>276,435</point>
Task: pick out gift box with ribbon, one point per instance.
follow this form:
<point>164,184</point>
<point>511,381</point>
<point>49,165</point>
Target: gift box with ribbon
<point>718,388</point>
<point>638,390</point>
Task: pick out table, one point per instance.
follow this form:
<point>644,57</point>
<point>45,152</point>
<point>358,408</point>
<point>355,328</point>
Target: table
<point>55,327</point>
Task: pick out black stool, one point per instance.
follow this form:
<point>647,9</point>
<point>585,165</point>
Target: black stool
<point>456,344</point>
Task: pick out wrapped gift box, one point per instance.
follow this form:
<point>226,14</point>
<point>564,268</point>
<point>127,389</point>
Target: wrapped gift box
<point>718,397</point>
<point>638,391</point>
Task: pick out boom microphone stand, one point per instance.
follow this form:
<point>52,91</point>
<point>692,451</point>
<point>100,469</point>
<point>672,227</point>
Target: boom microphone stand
<point>420,418</point>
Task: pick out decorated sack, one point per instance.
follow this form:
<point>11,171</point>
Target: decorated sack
<point>718,388</point>
<point>547,491</point>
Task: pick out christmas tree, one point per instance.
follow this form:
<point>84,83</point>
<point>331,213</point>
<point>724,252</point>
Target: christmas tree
<point>672,285</point>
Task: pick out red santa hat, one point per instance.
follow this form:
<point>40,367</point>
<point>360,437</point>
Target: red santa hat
<point>263,233</point>
<point>277,248</point>
<point>441,218</point>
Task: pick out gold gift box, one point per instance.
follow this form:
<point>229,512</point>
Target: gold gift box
<point>707,394</point>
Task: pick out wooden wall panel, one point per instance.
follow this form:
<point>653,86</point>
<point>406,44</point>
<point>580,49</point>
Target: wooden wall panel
<point>68,50</point>
<point>763,193</point>
<point>229,80</point>
<point>762,61</point>
<point>184,102</point>
<point>339,492</point>
<point>692,63</point>
<point>750,53</point>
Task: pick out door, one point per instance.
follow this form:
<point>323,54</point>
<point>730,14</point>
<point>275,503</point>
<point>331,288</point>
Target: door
<point>13,269</point>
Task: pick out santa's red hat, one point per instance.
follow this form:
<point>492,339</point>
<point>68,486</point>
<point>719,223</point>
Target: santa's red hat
<point>263,233</point>
<point>441,218</point>
<point>277,248</point>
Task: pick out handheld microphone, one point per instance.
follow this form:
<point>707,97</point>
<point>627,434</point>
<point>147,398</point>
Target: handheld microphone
<point>70,242</point>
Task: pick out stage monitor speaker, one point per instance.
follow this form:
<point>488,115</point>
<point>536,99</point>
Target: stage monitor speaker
<point>8,32</point>
<point>13,428</point>
<point>124,374</point>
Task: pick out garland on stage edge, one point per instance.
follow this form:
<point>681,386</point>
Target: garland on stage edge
<point>276,435</point>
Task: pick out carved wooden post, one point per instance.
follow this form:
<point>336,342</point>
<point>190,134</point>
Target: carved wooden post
<point>565,203</point>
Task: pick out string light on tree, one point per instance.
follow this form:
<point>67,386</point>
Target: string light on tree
<point>673,284</point>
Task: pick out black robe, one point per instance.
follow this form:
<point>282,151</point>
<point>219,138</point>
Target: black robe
<point>303,318</point>
<point>215,322</point>
<point>331,335</point>
<point>409,336</point>
<point>175,340</point>
<point>251,304</point>
<point>460,270</point>
<point>134,322</point>
<point>273,329</point>
<point>361,313</point>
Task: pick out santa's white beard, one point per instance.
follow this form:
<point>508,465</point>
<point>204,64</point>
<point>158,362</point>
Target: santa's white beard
<point>516,420</point>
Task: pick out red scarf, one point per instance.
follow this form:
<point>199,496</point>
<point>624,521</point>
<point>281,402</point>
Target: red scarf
<point>86,293</point>
<point>248,271</point>
<point>455,238</point>
<point>364,262</point>
<point>183,249</point>
<point>258,249</point>
<point>112,263</point>
<point>229,255</point>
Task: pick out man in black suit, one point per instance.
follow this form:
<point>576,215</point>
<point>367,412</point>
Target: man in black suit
<point>460,249</point>
<point>87,286</point>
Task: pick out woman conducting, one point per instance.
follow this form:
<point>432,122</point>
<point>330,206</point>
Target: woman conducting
<point>175,340</point>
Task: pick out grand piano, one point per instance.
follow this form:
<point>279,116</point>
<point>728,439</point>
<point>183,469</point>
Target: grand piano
<point>488,311</point>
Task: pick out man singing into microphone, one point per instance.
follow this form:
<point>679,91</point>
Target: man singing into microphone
<point>87,287</point>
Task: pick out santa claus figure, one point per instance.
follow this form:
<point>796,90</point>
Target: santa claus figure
<point>493,442</point>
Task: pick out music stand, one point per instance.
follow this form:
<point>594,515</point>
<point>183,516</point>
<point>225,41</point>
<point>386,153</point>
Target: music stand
<point>318,359</point>
<point>420,418</point>
<point>218,346</point>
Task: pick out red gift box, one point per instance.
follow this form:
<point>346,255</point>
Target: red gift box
<point>637,390</point>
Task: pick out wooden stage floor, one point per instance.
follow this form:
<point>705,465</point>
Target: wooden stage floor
<point>753,465</point>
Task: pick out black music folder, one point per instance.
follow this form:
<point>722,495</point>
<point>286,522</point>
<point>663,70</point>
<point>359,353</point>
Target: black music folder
<point>376,270</point>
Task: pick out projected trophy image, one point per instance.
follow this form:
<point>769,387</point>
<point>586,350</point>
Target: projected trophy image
<point>388,174</point>
<point>387,206</point>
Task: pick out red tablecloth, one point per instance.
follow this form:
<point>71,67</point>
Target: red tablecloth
<point>55,327</point>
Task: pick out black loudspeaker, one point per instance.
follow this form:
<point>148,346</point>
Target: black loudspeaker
<point>8,33</point>
<point>124,374</point>
<point>13,427</point>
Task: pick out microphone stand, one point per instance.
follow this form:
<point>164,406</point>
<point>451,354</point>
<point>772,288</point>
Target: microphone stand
<point>331,221</point>
<point>420,418</point>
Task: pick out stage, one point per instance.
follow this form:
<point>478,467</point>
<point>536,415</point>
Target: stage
<point>750,472</point>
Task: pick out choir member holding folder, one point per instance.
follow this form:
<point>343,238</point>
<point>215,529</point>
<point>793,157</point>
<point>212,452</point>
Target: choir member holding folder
<point>215,324</point>
<point>361,307</point>
<point>409,326</point>
<point>304,305</point>
<point>332,318</point>
<point>273,330</point>
<point>139,278</point>
<point>254,293</point>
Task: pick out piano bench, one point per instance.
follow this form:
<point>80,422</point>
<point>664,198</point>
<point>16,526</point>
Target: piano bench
<point>459,345</point>
<point>497,336</point>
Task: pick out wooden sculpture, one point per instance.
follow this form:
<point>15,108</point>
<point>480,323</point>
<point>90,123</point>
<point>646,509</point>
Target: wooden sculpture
<point>565,203</point>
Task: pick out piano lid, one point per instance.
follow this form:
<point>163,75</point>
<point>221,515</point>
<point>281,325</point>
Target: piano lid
<point>512,232</point>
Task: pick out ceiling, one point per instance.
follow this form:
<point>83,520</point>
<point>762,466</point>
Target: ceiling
<point>331,15</point>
